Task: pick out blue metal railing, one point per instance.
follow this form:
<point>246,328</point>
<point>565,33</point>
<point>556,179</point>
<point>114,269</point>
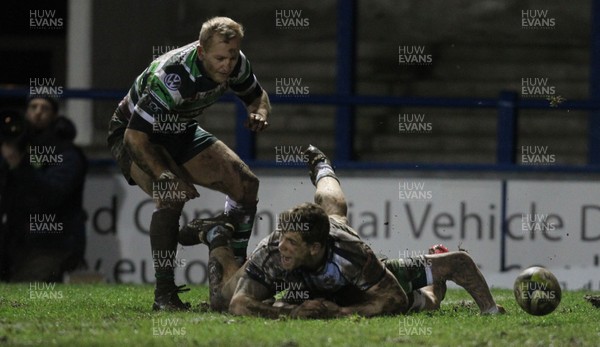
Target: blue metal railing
<point>507,106</point>
<point>345,63</point>
<point>594,118</point>
<point>335,100</point>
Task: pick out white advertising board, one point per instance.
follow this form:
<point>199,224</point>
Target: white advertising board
<point>555,223</point>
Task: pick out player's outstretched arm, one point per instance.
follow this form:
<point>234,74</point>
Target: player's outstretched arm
<point>258,113</point>
<point>248,300</point>
<point>385,297</point>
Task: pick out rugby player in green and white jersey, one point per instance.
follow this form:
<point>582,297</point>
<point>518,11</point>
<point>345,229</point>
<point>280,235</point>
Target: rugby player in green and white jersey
<point>159,146</point>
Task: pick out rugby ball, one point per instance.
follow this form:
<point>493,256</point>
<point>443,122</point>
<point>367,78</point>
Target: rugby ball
<point>537,291</point>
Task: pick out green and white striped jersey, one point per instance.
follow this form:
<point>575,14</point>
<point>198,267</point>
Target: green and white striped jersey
<point>177,84</point>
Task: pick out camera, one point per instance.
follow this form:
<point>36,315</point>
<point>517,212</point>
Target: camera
<point>13,128</point>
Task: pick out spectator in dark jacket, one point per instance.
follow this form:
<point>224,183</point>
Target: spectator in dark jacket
<point>42,214</point>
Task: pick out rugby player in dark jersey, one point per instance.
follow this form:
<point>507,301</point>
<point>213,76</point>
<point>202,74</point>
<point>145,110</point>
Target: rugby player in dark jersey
<point>317,266</point>
<point>160,147</point>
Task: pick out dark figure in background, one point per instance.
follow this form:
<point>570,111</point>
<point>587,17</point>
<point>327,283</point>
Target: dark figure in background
<point>43,174</point>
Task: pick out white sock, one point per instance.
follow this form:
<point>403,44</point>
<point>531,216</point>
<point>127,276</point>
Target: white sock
<point>491,310</point>
<point>246,213</point>
<point>428,275</point>
<point>230,204</point>
<point>323,170</point>
<point>419,301</point>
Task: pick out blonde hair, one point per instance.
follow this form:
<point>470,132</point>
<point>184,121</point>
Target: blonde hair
<point>224,26</point>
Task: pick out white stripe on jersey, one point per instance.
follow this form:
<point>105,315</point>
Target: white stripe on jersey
<point>148,118</point>
<point>162,103</point>
<point>189,71</point>
<point>130,104</point>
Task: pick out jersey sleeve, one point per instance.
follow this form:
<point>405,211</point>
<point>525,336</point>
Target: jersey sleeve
<point>371,271</point>
<point>359,264</point>
<point>160,95</point>
<point>244,83</point>
<point>262,264</point>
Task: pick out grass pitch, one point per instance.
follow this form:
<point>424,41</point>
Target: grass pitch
<point>120,315</point>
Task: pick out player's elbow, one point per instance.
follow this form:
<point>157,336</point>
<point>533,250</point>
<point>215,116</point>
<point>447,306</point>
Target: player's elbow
<point>397,304</point>
<point>393,302</point>
<point>388,305</point>
<point>390,296</point>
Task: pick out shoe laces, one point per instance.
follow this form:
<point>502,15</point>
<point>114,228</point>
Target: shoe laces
<point>181,289</point>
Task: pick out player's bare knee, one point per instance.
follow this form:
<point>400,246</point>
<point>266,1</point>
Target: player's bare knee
<point>339,201</point>
<point>250,185</point>
<point>461,263</point>
<point>331,202</point>
<point>462,260</point>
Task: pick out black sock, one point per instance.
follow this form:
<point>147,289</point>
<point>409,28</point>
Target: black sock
<point>242,217</point>
<point>218,236</point>
<point>244,221</point>
<point>163,240</point>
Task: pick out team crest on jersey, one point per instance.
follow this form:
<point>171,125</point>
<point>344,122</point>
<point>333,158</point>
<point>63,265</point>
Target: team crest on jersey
<point>172,81</point>
<point>154,107</point>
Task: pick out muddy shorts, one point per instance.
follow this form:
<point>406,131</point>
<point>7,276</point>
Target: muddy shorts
<point>181,147</point>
